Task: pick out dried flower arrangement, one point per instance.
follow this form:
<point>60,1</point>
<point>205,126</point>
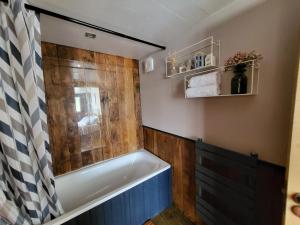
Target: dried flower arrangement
<point>241,57</point>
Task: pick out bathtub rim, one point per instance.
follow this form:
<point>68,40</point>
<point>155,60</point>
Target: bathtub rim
<point>94,203</point>
<point>107,160</point>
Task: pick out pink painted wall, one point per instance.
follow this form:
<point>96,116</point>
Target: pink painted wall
<point>245,124</point>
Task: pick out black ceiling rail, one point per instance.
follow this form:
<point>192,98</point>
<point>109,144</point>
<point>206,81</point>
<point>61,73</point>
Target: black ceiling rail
<point>80,22</point>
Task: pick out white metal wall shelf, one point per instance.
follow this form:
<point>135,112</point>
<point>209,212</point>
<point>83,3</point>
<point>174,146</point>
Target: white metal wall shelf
<point>226,76</point>
<point>207,49</point>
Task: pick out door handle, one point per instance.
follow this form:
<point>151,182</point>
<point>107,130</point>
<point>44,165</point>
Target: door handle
<point>296,198</point>
<point>296,210</point>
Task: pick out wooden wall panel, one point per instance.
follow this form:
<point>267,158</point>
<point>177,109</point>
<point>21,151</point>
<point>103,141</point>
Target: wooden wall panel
<point>188,179</point>
<point>180,153</point>
<point>117,79</point>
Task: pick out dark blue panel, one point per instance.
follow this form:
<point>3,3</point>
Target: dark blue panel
<point>84,219</point>
<point>97,215</point>
<point>163,184</point>
<point>108,214</point>
<point>93,216</point>
<point>151,197</point>
<point>137,205</point>
<point>118,209</point>
<point>126,207</point>
<point>132,207</point>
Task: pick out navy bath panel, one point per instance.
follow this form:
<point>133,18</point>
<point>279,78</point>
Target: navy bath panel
<point>133,207</point>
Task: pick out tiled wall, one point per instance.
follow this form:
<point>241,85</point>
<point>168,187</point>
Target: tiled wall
<point>93,104</point>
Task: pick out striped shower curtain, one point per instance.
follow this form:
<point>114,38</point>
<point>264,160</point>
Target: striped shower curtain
<point>27,193</point>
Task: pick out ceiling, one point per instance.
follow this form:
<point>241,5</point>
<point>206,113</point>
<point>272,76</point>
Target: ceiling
<point>158,21</point>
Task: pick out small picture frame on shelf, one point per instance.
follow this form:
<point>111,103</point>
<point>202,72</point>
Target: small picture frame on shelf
<point>182,68</point>
<point>172,68</point>
<point>210,60</point>
<point>199,60</point>
<point>188,65</point>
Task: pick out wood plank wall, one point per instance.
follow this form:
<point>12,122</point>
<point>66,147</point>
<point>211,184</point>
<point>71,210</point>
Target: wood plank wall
<point>117,79</point>
<point>180,153</point>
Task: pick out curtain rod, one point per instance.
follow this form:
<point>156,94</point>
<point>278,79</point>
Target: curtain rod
<point>80,22</point>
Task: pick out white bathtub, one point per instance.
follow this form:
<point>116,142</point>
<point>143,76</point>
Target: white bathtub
<point>86,188</point>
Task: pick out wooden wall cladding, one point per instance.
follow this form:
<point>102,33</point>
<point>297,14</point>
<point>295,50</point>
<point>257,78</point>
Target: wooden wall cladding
<point>180,153</point>
<point>118,128</point>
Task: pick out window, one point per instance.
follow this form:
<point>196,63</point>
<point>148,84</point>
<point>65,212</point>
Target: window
<point>77,104</point>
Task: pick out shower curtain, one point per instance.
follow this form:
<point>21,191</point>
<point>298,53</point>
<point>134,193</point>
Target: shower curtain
<point>27,192</point>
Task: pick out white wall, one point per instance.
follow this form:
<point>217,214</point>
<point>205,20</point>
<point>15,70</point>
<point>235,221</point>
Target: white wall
<point>246,124</point>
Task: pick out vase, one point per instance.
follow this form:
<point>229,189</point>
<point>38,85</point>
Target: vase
<point>239,81</point>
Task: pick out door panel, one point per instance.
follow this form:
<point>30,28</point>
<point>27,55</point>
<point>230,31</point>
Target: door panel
<point>293,184</point>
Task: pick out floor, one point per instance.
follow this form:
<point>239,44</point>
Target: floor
<point>171,216</point>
